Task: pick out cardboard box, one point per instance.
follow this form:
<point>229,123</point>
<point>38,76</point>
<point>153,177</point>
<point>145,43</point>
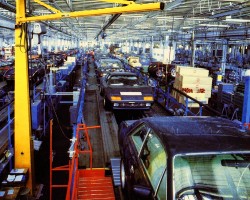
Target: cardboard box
<point>195,80</point>
<point>193,71</point>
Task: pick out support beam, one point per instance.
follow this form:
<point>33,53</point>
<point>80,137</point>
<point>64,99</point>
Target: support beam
<point>111,21</point>
<point>47,6</point>
<point>132,8</point>
<point>23,146</point>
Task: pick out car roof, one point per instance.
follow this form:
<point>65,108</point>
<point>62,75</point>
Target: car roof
<point>200,134</point>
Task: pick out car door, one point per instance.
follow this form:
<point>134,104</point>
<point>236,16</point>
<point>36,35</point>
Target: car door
<point>148,164</point>
<point>134,173</point>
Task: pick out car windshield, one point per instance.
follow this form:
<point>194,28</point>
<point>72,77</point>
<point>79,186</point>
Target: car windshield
<point>223,176</point>
<point>123,80</point>
<point>110,64</point>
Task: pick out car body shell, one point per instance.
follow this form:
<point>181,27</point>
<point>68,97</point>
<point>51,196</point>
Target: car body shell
<point>133,94</point>
<point>106,65</point>
<point>178,136</point>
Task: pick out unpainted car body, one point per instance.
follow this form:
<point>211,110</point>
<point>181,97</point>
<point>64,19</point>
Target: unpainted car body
<point>171,158</point>
<point>124,90</point>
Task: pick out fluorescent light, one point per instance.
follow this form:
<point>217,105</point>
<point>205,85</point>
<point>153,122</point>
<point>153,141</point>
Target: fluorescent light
<point>223,14</point>
<point>229,19</point>
<point>181,18</point>
<point>186,27</point>
<point>215,25</point>
<point>172,5</point>
<point>198,19</point>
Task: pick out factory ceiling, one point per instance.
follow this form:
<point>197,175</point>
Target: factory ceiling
<point>179,17</point>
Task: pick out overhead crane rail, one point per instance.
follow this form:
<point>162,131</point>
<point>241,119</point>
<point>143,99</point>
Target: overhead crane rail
<point>130,8</point>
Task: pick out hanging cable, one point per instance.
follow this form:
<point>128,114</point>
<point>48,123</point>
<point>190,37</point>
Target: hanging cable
<point>57,119</point>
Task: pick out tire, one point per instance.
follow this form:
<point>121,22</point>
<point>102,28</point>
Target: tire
<point>122,176</point>
<point>106,104</point>
<point>172,72</point>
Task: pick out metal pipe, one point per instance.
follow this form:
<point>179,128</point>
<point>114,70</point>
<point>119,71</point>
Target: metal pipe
<point>7,6</point>
<point>193,50</point>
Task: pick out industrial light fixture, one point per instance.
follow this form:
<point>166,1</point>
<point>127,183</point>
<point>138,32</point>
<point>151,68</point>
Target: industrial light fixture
<point>172,5</point>
<point>215,25</point>
<point>229,19</point>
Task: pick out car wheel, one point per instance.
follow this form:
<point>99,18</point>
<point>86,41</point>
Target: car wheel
<point>172,72</point>
<point>106,104</point>
<point>122,175</point>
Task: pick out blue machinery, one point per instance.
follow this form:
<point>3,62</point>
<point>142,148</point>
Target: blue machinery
<point>7,130</point>
<point>49,95</point>
<point>246,104</point>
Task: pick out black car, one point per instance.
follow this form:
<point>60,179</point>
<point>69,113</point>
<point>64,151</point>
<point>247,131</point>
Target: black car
<point>106,65</point>
<point>5,65</point>
<point>125,90</point>
<point>36,72</point>
<point>184,158</point>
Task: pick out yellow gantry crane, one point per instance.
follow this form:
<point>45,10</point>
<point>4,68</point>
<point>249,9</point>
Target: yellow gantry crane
<point>23,143</point>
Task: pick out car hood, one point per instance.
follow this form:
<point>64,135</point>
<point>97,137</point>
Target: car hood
<point>133,91</point>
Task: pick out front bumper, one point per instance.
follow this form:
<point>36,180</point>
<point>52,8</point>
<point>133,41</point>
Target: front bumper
<point>131,105</point>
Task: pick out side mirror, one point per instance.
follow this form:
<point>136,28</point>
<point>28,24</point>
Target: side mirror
<point>142,191</point>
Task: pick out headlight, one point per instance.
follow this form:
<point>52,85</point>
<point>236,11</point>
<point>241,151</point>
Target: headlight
<point>148,98</point>
<point>116,98</point>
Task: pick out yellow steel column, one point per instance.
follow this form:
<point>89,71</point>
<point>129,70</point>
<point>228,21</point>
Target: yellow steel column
<point>23,144</point>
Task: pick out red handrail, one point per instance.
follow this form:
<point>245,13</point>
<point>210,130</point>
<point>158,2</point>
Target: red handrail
<point>73,169</point>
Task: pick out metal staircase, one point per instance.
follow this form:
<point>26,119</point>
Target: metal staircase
<point>115,165</point>
<point>94,185</point>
